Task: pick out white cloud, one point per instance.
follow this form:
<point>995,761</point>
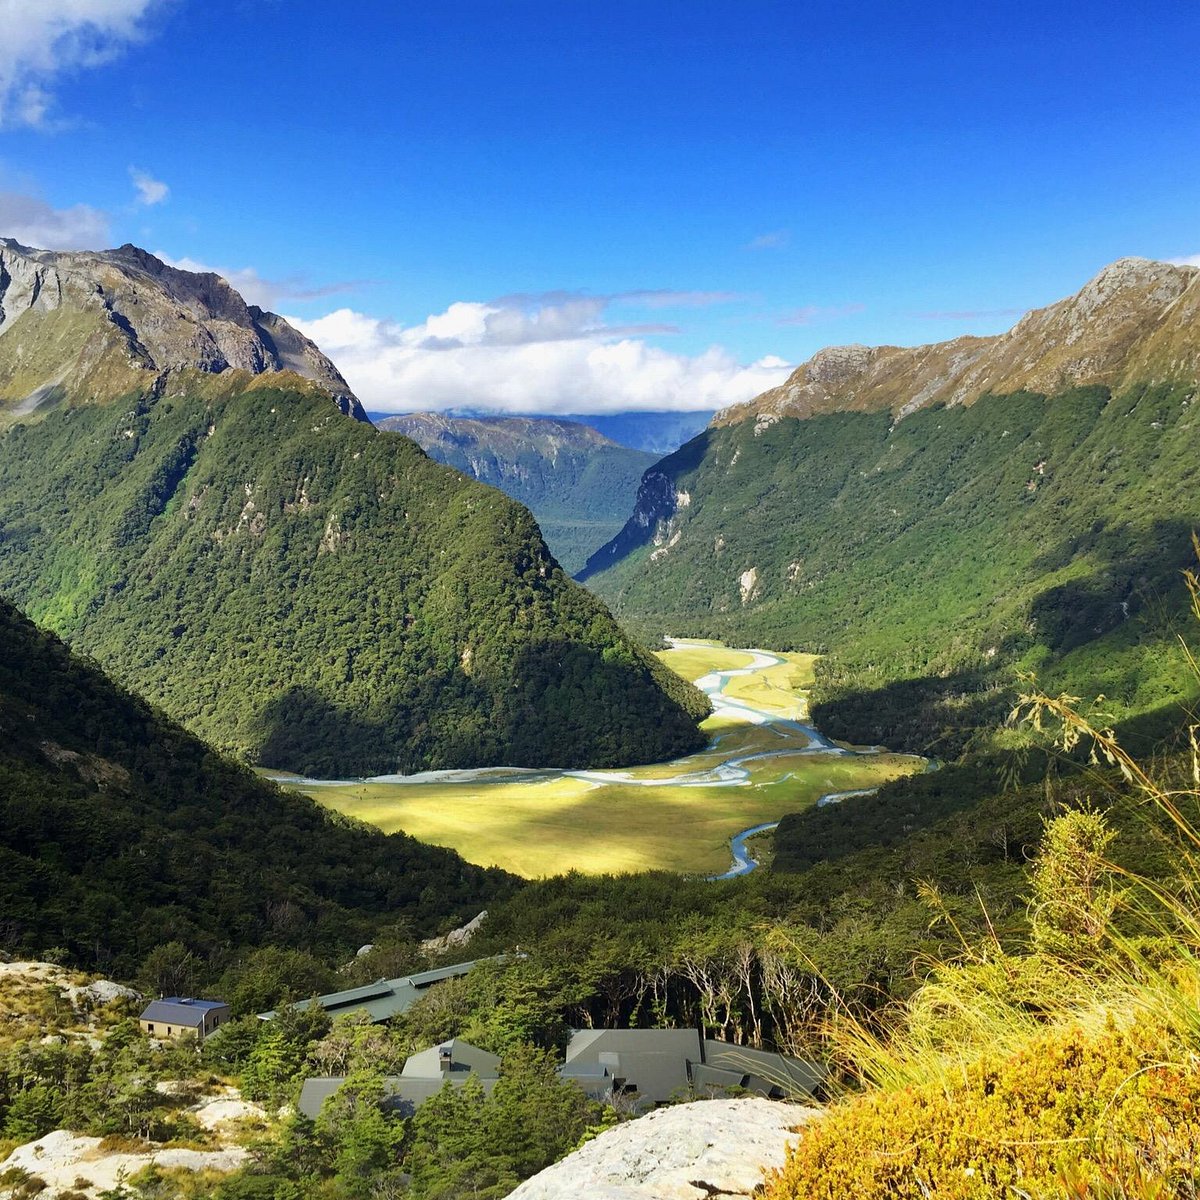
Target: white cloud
<point>556,357</point>
<point>149,190</point>
<point>40,39</point>
<point>777,239</point>
<point>1189,260</point>
<point>254,289</point>
<point>815,312</point>
<point>664,298</point>
<point>33,222</point>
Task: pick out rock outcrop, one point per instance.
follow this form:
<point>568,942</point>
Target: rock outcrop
<point>687,1152</point>
<point>456,937</point>
<point>91,326</point>
<point>66,1163</point>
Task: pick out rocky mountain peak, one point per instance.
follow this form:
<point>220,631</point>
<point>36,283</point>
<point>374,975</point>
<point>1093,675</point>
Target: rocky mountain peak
<point>836,364</point>
<point>88,326</point>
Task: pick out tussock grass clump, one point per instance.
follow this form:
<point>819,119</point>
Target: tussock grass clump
<point>1075,1109</point>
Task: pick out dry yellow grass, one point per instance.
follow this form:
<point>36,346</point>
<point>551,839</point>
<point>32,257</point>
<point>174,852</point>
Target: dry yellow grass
<point>777,689</point>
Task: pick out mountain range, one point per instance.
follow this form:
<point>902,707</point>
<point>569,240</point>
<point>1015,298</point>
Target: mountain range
<point>190,494</point>
<point>939,518</point>
<point>577,483</point>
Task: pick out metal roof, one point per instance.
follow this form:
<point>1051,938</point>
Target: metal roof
<point>792,1076</point>
<point>383,999</point>
<point>464,1058</point>
<point>401,1092</point>
<point>425,978</point>
<point>181,1010</point>
<point>654,1062</point>
<point>715,1079</point>
<point>660,1064</point>
<point>586,1045</point>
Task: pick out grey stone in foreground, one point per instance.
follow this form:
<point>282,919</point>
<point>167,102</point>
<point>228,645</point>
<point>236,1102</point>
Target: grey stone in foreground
<point>687,1152</point>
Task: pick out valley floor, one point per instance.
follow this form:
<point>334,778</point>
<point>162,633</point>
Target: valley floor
<point>763,762</point>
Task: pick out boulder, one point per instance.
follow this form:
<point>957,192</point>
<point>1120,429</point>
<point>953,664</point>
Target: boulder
<point>686,1152</point>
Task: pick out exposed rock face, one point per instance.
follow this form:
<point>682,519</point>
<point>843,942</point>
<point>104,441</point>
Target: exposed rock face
<point>82,996</point>
<point>70,1163</point>
<point>456,937</point>
<point>1135,320</point>
<point>688,1152</point>
<point>91,326</point>
<point>652,518</point>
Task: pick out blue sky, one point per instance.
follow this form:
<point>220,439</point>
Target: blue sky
<point>580,206</point>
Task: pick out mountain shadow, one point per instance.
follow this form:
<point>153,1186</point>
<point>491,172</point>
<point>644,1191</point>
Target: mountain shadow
<point>117,825</point>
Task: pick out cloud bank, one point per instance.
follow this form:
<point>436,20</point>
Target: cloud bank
<point>777,239</point>
<point>552,354</point>
<point>41,39</point>
<point>812,313</point>
<point>33,222</point>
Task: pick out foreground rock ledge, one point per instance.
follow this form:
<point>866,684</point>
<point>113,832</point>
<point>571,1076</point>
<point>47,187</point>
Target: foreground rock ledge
<point>687,1152</point>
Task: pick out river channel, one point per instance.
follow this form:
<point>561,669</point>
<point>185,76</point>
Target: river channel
<point>763,760</point>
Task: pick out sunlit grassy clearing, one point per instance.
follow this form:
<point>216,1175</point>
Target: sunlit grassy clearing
<point>609,822</point>
<point>697,659</point>
<point>732,738</point>
<point>557,825</point>
<point>773,689</point>
<point>776,689</point>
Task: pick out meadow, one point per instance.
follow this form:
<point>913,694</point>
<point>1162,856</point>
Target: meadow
<point>676,816</point>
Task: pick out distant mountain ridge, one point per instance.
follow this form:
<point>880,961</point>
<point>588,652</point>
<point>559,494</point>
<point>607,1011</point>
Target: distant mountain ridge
<point>93,325</point>
<point>579,484</point>
<point>658,432</point>
<point>1135,321</point>
<point>291,584</point>
<point>548,435</point>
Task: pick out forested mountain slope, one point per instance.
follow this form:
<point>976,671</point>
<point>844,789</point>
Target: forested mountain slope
<point>300,589</point>
<point>935,555</point>
<point>119,831</point>
<point>577,483</point>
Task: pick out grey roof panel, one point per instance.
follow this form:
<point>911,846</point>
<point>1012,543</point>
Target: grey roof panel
<point>176,1011</point>
<point>370,991</point>
<point>586,1045</point>
<point>465,1058</point>
<point>708,1079</point>
<point>315,1092</point>
<point>406,1095</point>
<point>383,999</point>
<point>791,1075</point>
<point>400,1093</point>
<point>425,978</point>
<point>577,1070</point>
<point>655,1077</point>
